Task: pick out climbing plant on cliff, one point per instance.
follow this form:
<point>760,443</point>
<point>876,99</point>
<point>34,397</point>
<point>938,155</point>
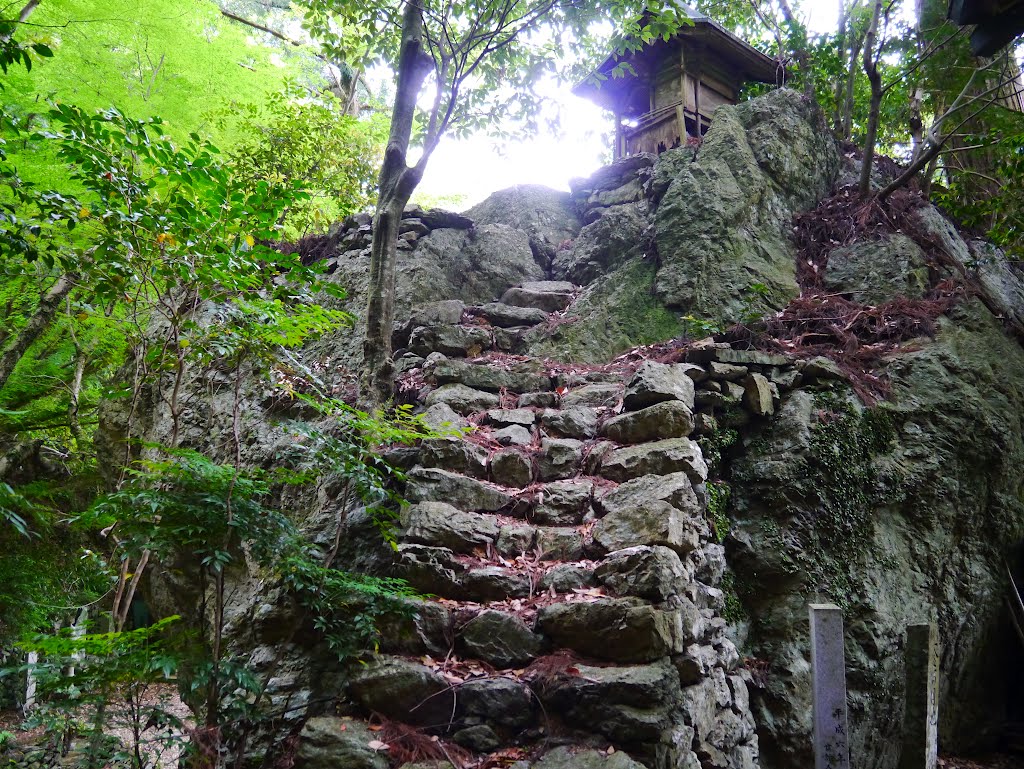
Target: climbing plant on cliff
<point>477,60</point>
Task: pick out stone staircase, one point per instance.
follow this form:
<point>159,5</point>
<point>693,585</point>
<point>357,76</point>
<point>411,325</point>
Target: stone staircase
<point>563,537</point>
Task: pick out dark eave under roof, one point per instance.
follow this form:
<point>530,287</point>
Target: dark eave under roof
<point>998,22</point>
<point>752,63</point>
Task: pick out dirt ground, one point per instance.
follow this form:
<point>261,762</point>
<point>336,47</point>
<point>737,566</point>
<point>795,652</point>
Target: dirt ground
<point>161,745</point>
<point>11,721</point>
<point>991,761</point>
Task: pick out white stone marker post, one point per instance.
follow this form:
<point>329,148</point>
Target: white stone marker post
<point>921,717</point>
<point>828,670</point>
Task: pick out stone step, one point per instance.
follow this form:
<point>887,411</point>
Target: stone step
<point>547,295</point>
<point>509,315</point>
<point>451,340</point>
<point>519,378</point>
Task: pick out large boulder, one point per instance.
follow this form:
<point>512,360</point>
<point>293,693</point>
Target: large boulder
<point>604,245</point>
<point>877,271</point>
<point>547,218</point>
<point>617,311</point>
<point>627,704</point>
<point>721,226</point>
<point>329,742</point>
<point>861,506</point>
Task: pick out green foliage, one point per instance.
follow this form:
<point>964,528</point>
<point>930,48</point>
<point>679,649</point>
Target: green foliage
<point>485,56</point>
<point>699,328</point>
<point>146,58</point>
<point>295,138</point>
<point>47,567</point>
<point>12,52</point>
<point>734,610</point>
<point>156,229</point>
<point>845,443</point>
<point>999,216</point>
<point>113,672</point>
<point>718,506</point>
<point>714,445</point>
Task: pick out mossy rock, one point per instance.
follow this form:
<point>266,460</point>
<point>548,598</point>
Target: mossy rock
<point>615,313</point>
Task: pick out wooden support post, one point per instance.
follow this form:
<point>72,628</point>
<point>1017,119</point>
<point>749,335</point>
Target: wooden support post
<point>620,139</point>
<point>921,716</point>
<point>828,671</point>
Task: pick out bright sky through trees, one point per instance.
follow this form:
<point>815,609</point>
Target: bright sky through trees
<point>464,172</point>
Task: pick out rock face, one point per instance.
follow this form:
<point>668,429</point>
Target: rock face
<point>608,540</point>
<point>721,225</point>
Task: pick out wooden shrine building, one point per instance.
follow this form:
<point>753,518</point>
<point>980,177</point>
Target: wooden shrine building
<point>677,86</point>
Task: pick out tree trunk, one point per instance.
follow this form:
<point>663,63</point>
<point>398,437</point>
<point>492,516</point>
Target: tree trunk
<point>397,182</point>
<point>871,70</point>
<point>40,320</point>
<point>76,392</point>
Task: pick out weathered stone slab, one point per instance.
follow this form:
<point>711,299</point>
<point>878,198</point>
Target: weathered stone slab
<point>563,503</point>
<point>499,700</point>
<point>507,315</point>
<point>441,525</point>
<point>500,639</point>
<point>657,382</point>
<point>656,458</point>
<point>430,569</point>
<point>449,340</point>
<point>651,522</point>
<point>559,458</point>
<point>654,573</point>
<point>738,357</point>
<point>627,704</point>
<point>670,419</point>
<point>621,630</point>
<point>573,422</point>
<point>549,296</point>
<point>462,399</point>
<point>828,671</point>
<point>403,690</point>
<point>483,377</point>
<point>494,583</point>
<point>506,417</point>
<point>513,435</point>
<point>597,394</point>
<point>426,484</point>
<point>675,489</point>
<point>443,418</point>
<point>727,371</point>
<point>454,454</point>
<point>566,577</point>
<point>757,395</point>
<point>327,742</point>
<point>511,467</point>
<point>559,543</point>
<point>515,540</point>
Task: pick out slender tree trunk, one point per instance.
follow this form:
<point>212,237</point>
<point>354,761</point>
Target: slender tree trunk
<point>850,82</point>
<point>803,59</point>
<point>40,320</point>
<point>871,70</point>
<point>837,111</point>
<point>397,182</point>
<point>76,391</point>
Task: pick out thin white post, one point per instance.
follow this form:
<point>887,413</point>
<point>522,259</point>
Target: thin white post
<point>921,717</point>
<point>828,669</point>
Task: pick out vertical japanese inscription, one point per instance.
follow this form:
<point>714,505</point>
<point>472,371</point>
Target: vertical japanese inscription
<point>828,670</point>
